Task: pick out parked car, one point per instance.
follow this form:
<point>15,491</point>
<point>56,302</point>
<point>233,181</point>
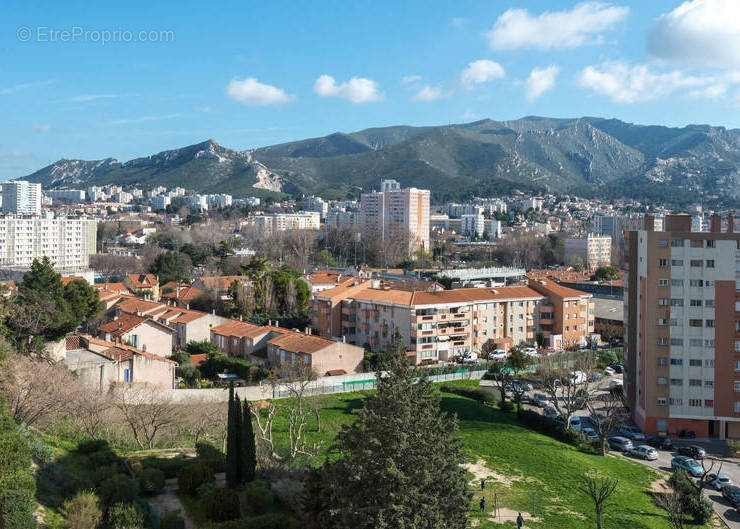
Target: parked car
<point>590,433</point>
<point>526,386</point>
<point>550,412</point>
<point>608,371</point>
<point>596,376</point>
<point>718,481</point>
<point>693,451</point>
<point>616,383</point>
<point>597,417</point>
<point>617,442</point>
<point>631,433</point>
<point>732,494</point>
<point>691,466</point>
<point>687,434</point>
<point>660,442</point>
<point>498,355</point>
<point>541,400</point>
<point>575,422</point>
<point>618,368</point>
<point>645,452</point>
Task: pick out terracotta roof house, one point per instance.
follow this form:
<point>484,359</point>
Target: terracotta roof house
<point>181,294</point>
<point>116,288</point>
<point>144,283</point>
<point>246,340</point>
<point>189,325</point>
<point>323,355</point>
<point>142,332</point>
<point>102,363</point>
<point>66,280</point>
<point>219,284</point>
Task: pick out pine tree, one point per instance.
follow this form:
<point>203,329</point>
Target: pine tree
<point>398,464</point>
<point>233,466</point>
<point>249,450</point>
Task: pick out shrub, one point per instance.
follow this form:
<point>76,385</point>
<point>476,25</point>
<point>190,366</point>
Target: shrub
<point>151,481</point>
<point>82,511</point>
<point>17,485</point>
<point>193,476</point>
<point>105,472</point>
<point>257,497</point>
<point>171,520</point>
<point>91,446</point>
<point>288,492</point>
<point>274,520</point>
<point>506,406</point>
<point>39,451</point>
<point>555,429</point>
<point>118,489</point>
<point>212,456</point>
<point>220,504</point>
<point>170,466</point>
<point>482,396</point>
<point>126,516</point>
<point>700,509</point>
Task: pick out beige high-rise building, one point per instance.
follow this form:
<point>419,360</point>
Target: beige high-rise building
<point>682,328</point>
<point>394,210</point>
<point>592,251</point>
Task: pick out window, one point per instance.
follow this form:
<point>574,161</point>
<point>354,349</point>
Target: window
<point>737,365</point>
<point>662,302</point>
<point>662,282</point>
<point>695,303</point>
<point>676,262</point>
<point>695,382</point>
<point>737,406</point>
<point>676,402</point>
<point>663,263</point>
<point>709,343</point>
<point>677,243</point>
<point>662,321</point>
<point>126,374</point>
<point>736,387</point>
<point>695,403</point>
<point>695,362</point>
<point>710,323</point>
<point>663,243</point>
<point>737,346</point>
<point>676,302</point>
<point>662,381</point>
<point>676,361</point>
<point>695,323</point>
<point>697,263</point>
<point>709,303</point>
<point>709,383</point>
<point>696,283</point>
<point>696,243</point>
<point>677,341</point>
<point>709,403</point>
<point>662,341</point>
<point>710,263</point>
<point>663,361</point>
<point>710,244</point>
<point>695,342</point>
<point>676,382</point>
<point>709,283</point>
<point>676,282</point>
<point>661,401</point>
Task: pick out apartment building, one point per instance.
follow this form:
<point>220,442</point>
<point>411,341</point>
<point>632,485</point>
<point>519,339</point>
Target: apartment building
<point>276,222</point>
<point>607,225</point>
<point>682,328</point>
<point>473,225</point>
<point>21,198</point>
<point>67,241</point>
<point>71,195</point>
<point>394,210</point>
<point>592,251</point>
<point>440,325</point>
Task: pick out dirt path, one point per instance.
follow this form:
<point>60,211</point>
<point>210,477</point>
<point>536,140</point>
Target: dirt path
<point>167,500</point>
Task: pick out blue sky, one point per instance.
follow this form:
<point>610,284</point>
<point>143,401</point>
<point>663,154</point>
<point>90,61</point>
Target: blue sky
<point>252,73</point>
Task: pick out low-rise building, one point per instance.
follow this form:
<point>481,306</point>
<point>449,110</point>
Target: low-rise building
<point>322,355</point>
<point>140,332</point>
<point>147,284</point>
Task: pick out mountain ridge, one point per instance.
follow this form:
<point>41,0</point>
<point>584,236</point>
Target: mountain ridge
<point>591,156</point>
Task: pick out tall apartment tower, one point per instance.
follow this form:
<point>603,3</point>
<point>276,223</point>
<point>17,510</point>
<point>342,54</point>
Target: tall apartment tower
<point>22,198</point>
<point>682,328</point>
<point>393,208</point>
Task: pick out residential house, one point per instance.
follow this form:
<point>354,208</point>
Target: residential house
<point>141,332</point>
<point>181,294</point>
<point>246,340</point>
<point>324,356</point>
<point>147,284</point>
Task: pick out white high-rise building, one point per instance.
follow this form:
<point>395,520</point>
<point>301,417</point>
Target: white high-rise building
<point>22,198</point>
<point>67,241</point>
<point>275,222</point>
<point>606,225</point>
<point>394,209</point>
<point>592,251</point>
<point>473,225</point>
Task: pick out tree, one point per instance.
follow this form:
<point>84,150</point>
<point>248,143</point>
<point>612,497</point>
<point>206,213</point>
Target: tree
<point>248,448</point>
<point>83,300</point>
<point>233,441</point>
<point>297,378</point>
<point>89,410</point>
<point>605,273</point>
<point>147,411</point>
<point>607,413</point>
<point>82,511</point>
<point>172,266</point>
<point>565,378</point>
<point>599,489</point>
<point>673,504</point>
<point>400,444</point>
<point>518,360</point>
<point>540,339</point>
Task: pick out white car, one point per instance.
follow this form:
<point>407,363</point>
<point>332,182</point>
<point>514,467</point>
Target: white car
<point>498,355</point>
<point>590,433</point>
<point>719,481</point>
<point>578,377</point>
<point>615,383</point>
<point>609,371</point>
<point>575,422</point>
<point>530,351</point>
<point>645,452</point>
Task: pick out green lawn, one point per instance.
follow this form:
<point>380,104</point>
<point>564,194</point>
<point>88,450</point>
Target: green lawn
<point>542,472</point>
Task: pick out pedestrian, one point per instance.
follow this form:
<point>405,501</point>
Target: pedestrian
<point>519,521</point>
<point>482,484</point>
<point>482,503</point>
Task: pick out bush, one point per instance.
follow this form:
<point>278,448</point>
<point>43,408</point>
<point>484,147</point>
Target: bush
<point>105,472</point>
<point>288,492</point>
<point>118,489</point>
<point>193,476</point>
<point>275,520</point>
<point>700,508</point>
<point>482,396</point>
<point>151,481</point>
<point>257,497</point>
<point>212,456</point>
<point>555,429</point>
<point>171,520</point>
<point>17,485</point>
<point>82,511</point>
<point>39,451</point>
<point>170,466</point>
<point>91,446</point>
<point>506,406</point>
<point>220,505</point>
<point>126,516</point>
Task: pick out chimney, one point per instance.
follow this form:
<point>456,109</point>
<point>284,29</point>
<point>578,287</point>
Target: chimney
<point>715,223</point>
<point>730,223</point>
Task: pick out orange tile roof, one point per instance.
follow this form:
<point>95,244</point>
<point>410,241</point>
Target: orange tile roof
<point>234,328</point>
<point>185,293</point>
<point>198,359</point>
<point>298,342</point>
<point>68,279</point>
<point>142,280</point>
<point>221,282</point>
<point>556,289</point>
<point>114,351</point>
<point>134,305</point>
<point>344,291</point>
<point>126,322</point>
<point>119,288</point>
<point>178,315</point>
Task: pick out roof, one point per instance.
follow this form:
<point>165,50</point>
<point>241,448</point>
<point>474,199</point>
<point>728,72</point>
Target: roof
<point>142,280</point>
<point>460,295</point>
<point>178,315</point>
<point>298,342</point>
<point>126,322</point>
<point>198,359</point>
<point>68,279</point>
<point>556,289</point>
<point>118,288</point>
<point>344,291</point>
<point>242,329</point>
<point>113,351</point>
<point>609,309</point>
<point>136,305</point>
<point>221,282</point>
<point>182,292</point>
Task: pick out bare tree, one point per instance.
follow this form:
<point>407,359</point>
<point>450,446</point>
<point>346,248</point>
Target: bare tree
<point>298,378</point>
<point>90,410</point>
<point>34,389</point>
<point>109,265</point>
<point>599,489</point>
<point>565,378</point>
<point>673,504</point>
<point>269,296</point>
<point>204,420</point>
<point>607,412</point>
<point>266,453</point>
<point>147,410</point>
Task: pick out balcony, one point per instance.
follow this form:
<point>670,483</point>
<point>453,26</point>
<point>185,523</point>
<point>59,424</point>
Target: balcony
<point>426,318</point>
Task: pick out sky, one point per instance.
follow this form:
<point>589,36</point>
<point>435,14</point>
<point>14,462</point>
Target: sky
<point>122,79</point>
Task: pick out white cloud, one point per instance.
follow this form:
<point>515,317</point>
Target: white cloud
<point>517,28</point>
<point>92,97</point>
<point>25,86</point>
<point>41,127</point>
<point>469,115</point>
<point>410,79</point>
<point>481,71</point>
<point>699,32</point>
<point>623,83</point>
<point>251,92</point>
<point>356,90</point>
<point>428,93</point>
<point>458,22</point>
<point>206,109</point>
<point>142,119</point>
<point>540,80</point>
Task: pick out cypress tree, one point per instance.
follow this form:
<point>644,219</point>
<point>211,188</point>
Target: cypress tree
<point>398,464</point>
<point>238,447</point>
<point>232,442</point>
<point>249,450</point>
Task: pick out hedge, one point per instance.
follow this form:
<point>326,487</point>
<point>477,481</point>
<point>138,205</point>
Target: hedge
<point>193,476</point>
<point>220,505</point>
<point>17,486</point>
<point>482,396</point>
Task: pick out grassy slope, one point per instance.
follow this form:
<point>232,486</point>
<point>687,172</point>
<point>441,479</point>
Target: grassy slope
<point>535,462</point>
